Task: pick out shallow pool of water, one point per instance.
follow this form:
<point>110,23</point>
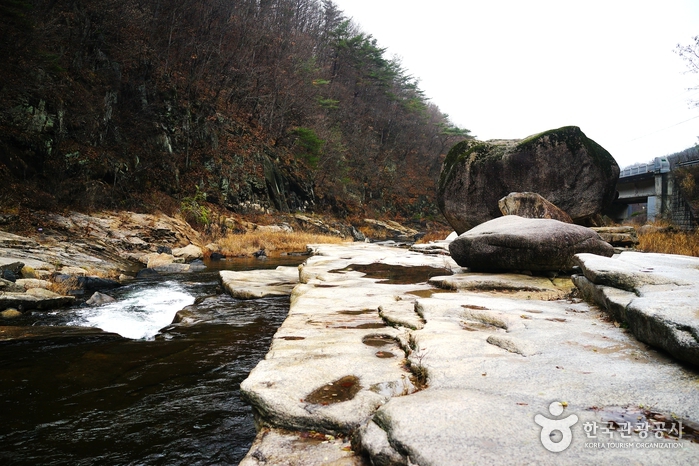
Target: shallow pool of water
<point>169,398</point>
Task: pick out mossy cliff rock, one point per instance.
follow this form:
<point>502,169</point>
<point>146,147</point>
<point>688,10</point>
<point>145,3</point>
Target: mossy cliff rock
<point>562,165</point>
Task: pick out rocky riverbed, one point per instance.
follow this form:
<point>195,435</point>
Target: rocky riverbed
<point>391,356</point>
<point>74,255</point>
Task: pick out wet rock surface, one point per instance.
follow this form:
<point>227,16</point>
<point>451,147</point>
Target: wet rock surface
<point>655,295</point>
<point>490,361</point>
<point>517,243</point>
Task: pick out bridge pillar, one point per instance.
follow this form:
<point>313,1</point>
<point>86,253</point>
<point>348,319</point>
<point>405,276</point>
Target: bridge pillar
<point>660,205</point>
<point>652,208</point>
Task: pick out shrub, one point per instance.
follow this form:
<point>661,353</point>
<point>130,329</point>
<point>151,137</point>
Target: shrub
<point>193,210</point>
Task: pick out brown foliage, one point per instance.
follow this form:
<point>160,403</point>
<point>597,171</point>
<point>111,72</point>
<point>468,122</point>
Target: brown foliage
<point>273,243</point>
<point>106,102</point>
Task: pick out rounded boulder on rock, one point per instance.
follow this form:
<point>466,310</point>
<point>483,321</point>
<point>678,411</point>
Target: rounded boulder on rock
<point>534,244</point>
<point>531,205</point>
<point>562,165</point>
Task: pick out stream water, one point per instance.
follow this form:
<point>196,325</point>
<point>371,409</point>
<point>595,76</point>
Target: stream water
<point>167,394</point>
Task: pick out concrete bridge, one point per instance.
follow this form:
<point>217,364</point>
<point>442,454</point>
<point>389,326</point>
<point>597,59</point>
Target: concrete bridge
<point>650,189</point>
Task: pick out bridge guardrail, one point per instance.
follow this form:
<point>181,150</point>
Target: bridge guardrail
<point>658,165</point>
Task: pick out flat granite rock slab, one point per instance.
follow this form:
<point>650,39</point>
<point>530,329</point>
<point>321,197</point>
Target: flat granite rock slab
<point>494,362</point>
<point>34,299</point>
<point>490,375</point>
<point>524,286</point>
<point>276,447</point>
<point>660,307</point>
<point>255,284</point>
<point>456,427</point>
<point>322,341</point>
<point>334,332</point>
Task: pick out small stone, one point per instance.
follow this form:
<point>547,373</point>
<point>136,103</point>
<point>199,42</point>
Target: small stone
<point>98,299</point>
<point>159,259</point>
<point>188,253</point>
<point>10,313</point>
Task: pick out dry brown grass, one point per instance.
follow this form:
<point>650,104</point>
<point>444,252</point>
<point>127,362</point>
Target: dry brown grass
<point>372,232</point>
<point>65,286</point>
<point>669,241</point>
<point>274,243</point>
<point>435,235</point>
<point>112,274</point>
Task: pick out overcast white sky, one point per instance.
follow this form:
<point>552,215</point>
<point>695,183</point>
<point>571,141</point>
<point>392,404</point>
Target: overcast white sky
<point>506,69</point>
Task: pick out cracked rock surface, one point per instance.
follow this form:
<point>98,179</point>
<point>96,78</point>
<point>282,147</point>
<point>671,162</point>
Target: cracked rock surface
<point>454,375</point>
<point>654,294</point>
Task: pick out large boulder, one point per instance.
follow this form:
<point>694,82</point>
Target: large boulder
<point>516,243</point>
<point>531,205</point>
<point>563,165</point>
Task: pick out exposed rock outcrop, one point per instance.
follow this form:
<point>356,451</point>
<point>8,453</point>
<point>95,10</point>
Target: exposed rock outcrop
<point>654,294</point>
<point>619,236</point>
<point>516,243</point>
<point>388,229</point>
<point>563,165</point>
<point>492,360</point>
<point>34,298</point>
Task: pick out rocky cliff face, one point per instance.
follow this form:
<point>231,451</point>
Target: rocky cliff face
<point>258,105</point>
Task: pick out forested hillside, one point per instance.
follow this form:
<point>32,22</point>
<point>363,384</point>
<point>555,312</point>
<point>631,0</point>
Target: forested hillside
<point>281,103</point>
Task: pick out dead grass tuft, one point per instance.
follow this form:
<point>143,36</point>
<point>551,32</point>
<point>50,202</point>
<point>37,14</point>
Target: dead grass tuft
<point>435,235</point>
<point>274,243</point>
<point>669,241</point>
<point>65,286</point>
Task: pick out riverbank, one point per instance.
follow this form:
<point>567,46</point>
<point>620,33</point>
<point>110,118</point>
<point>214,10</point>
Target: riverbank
<point>375,363</point>
<point>399,357</point>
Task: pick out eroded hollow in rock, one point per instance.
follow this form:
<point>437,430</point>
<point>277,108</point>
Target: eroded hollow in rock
<point>656,425</point>
<point>377,340</point>
<point>385,354</point>
<point>369,325</point>
<point>429,292</point>
<point>396,274</point>
<point>358,313</point>
<point>343,389</point>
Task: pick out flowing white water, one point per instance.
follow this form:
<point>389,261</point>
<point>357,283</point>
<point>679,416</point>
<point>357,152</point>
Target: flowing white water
<point>140,314</point>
